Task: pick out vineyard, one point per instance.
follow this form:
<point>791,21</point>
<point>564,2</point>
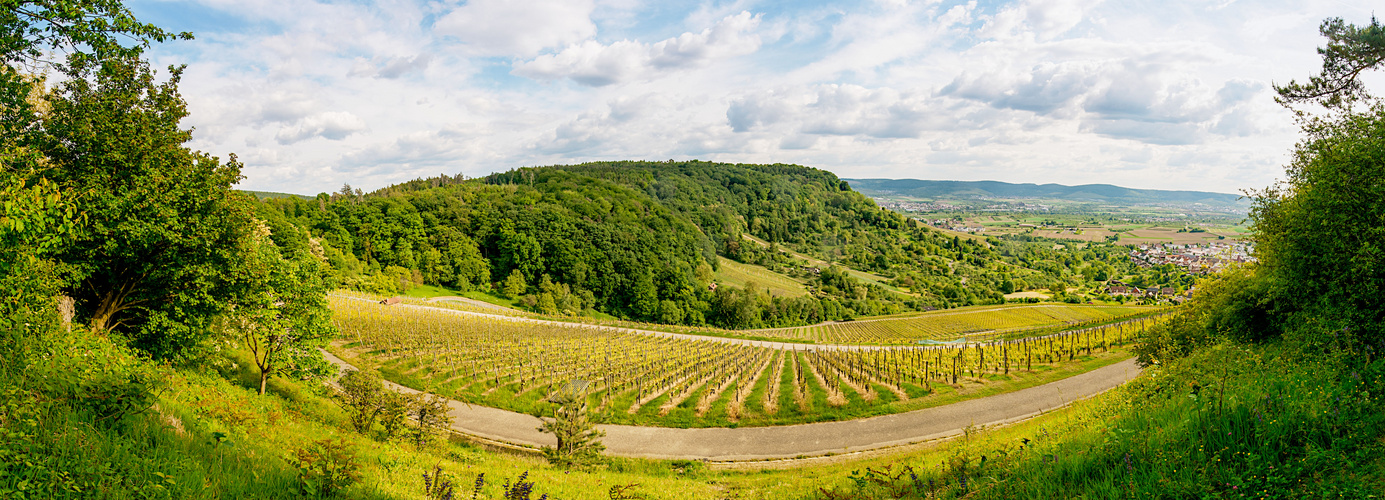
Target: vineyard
<point>662,379</point>
<point>976,324</point>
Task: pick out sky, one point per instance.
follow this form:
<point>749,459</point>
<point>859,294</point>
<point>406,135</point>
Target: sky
<point>1170,94</point>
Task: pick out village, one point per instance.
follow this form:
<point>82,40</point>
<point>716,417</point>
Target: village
<point>1196,258</point>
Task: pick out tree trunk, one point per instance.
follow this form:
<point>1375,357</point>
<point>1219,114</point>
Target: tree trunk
<point>105,310</point>
<point>264,378</point>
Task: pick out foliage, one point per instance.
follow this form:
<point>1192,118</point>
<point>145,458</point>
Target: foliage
<point>394,413</point>
<point>430,413</point>
<point>579,442</point>
<point>1227,421</point>
<point>438,485</point>
<point>1321,235</point>
<point>162,227</point>
<point>326,467</point>
<point>362,396</point>
<point>1230,306</point>
<point>278,309</point>
<point>639,240</point>
<point>519,489</point>
<point>1351,50</point>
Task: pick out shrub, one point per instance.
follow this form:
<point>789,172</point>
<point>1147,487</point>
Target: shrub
<point>430,412</point>
<point>326,467</point>
<point>578,438</point>
<point>394,413</point>
<point>362,396</point>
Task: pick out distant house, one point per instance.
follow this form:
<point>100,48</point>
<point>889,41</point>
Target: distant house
<point>1121,290</point>
<point>391,301</point>
<point>1168,291</point>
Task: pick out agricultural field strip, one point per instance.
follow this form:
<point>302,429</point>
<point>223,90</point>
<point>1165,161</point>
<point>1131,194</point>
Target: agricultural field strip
<point>992,321</point>
<point>792,346</point>
<point>504,353</point>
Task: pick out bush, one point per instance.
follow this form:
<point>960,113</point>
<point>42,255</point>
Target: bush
<point>362,396</point>
<point>1233,305</point>
<point>394,413</point>
<point>326,467</point>
<point>430,412</point>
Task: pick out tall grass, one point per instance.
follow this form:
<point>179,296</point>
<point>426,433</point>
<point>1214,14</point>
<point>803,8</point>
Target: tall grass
<point>1228,421</point>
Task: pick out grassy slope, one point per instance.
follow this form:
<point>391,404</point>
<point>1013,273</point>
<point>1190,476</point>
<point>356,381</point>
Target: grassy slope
<point>1229,421</point>
<point>738,274</point>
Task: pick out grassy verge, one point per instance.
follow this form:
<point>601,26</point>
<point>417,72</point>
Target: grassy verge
<point>1229,421</point>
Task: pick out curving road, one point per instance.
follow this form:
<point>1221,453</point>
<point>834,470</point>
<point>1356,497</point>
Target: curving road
<point>793,441</point>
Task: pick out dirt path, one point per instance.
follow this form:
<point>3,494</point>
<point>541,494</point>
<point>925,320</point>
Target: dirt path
<point>807,440</point>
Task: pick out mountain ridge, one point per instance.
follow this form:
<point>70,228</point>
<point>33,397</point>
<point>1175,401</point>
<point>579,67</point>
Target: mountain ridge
<point>922,188</point>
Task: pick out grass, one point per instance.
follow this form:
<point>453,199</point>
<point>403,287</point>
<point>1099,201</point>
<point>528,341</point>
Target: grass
<point>1228,421</point>
<point>908,328</point>
<point>738,274</point>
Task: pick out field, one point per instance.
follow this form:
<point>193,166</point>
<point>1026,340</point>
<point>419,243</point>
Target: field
<point>975,323</point>
<point>862,276</point>
<point>1127,227</point>
<point>737,274</point>
<point>649,378</point>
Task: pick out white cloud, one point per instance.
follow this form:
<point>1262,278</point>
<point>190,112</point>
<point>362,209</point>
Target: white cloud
<point>594,64</point>
<point>392,67</point>
<point>517,28</point>
<point>313,93</point>
<point>334,125</point>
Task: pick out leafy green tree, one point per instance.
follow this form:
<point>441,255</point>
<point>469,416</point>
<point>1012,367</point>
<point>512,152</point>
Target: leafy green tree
<point>394,413</point>
<point>31,31</point>
<point>279,309</point>
<point>515,285</point>
<point>430,413</point>
<point>362,396</point>
<point>1320,236</point>
<point>162,228</point>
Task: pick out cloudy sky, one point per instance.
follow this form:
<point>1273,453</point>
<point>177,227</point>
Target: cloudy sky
<point>1169,94</point>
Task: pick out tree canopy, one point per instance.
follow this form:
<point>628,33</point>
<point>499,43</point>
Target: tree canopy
<point>1350,51</point>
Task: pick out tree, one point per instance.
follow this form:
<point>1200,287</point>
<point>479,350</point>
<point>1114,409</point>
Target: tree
<point>515,285</point>
<point>1320,236</point>
<point>1351,50</point>
<point>32,31</point>
<point>279,309</point>
<point>162,226</point>
<point>578,438</point>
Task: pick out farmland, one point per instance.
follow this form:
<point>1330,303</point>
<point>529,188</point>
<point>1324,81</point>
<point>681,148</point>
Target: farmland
<point>976,323</point>
<point>661,379</point>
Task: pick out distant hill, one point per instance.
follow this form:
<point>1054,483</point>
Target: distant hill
<point>644,240</point>
<point>268,195</point>
<point>994,189</point>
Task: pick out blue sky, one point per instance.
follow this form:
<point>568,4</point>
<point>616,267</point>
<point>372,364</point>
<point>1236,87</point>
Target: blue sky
<point>1152,94</point>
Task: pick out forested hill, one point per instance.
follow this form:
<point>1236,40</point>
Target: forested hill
<point>993,189</point>
<point>641,240</point>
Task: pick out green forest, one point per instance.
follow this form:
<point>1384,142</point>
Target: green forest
<point>639,240</point>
